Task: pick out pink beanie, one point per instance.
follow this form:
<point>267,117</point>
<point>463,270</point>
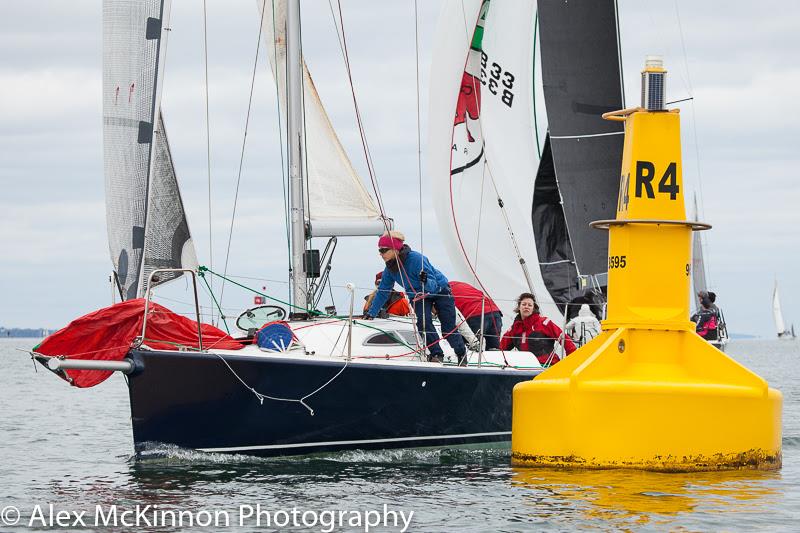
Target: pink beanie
<point>387,241</point>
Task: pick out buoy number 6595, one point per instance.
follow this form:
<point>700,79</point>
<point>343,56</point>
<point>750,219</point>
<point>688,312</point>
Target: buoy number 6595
<point>617,261</point>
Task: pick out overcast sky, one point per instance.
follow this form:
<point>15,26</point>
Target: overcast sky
<point>741,137</point>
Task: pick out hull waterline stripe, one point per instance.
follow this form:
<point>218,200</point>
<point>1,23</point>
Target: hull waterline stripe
<point>342,442</point>
<point>587,136</point>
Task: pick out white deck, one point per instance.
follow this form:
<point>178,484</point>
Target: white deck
<point>376,341</point>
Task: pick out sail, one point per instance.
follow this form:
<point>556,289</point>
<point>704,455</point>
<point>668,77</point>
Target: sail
<point>482,151</point>
<point>338,203</point>
<point>780,326</point>
<point>168,242</point>
<point>132,46</point>
<point>581,81</point>
<point>698,265</point>
<point>553,247</point>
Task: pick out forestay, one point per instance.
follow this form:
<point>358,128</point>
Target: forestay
<point>144,214</point>
<point>338,202</point>
<point>482,146</point>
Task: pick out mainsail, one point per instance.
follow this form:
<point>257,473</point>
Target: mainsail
<point>145,218</point>
<point>338,202</point>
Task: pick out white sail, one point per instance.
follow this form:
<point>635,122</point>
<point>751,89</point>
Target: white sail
<point>338,202</point>
<point>481,146</point>
<point>780,325</point>
<point>698,264</point>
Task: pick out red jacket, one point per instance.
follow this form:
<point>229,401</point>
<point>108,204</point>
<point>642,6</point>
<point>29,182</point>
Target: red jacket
<point>522,336</point>
<point>397,303</point>
<point>469,300</point>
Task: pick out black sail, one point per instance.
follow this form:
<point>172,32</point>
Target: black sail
<point>581,78</point>
<point>550,228</point>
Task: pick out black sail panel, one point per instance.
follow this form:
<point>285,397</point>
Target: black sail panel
<point>581,78</point>
<point>552,243</point>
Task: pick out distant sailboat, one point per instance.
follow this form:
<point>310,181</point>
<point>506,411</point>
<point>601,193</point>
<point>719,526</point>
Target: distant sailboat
<point>699,284</point>
<point>780,325</point>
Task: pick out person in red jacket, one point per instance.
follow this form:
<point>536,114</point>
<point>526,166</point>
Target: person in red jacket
<point>396,304</point>
<point>479,310</point>
<point>532,332</point>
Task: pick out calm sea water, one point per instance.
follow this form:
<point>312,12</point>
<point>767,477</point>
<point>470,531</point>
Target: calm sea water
<point>72,449</point>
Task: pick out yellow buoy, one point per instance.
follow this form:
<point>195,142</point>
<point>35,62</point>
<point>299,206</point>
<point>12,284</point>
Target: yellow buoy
<point>648,392</point>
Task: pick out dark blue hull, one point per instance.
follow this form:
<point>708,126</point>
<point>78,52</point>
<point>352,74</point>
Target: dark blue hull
<point>195,401</point>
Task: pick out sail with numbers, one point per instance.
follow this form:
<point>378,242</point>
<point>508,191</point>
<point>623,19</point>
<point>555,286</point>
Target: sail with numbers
<point>514,220</point>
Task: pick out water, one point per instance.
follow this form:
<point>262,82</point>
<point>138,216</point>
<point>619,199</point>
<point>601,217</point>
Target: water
<point>72,448</point>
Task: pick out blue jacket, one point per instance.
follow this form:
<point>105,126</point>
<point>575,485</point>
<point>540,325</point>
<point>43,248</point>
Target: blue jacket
<point>408,276</point>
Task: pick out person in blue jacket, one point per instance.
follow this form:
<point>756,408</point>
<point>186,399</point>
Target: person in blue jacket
<point>426,288</point>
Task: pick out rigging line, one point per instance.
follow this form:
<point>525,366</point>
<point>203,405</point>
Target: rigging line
<point>480,215</point>
<point>419,133</point>
<point>587,135</point>
<point>330,291</point>
<point>208,147</point>
<point>342,49</point>
<point>345,58</point>
<point>510,230</point>
<point>365,144</point>
<point>241,157</point>
<point>694,123</point>
<point>683,49</point>
<point>679,101</point>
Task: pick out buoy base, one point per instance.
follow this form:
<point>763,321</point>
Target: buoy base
<point>750,460</point>
<point>662,400</point>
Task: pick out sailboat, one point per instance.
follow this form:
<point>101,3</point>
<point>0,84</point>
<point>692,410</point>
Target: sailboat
<point>515,208</point>
<point>777,314</point>
<point>699,285</point>
<point>336,382</point>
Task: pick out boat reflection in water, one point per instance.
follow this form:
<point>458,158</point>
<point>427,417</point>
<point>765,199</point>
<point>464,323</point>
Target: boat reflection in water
<point>641,497</point>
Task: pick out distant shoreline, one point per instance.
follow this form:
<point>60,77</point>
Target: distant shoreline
<point>24,333</point>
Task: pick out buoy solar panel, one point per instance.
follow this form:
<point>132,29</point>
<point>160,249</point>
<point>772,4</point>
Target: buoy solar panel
<point>274,337</point>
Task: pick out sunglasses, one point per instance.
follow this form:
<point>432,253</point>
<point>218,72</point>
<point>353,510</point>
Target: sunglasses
<point>383,250</point>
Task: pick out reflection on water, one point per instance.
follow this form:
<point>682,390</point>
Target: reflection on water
<point>645,496</point>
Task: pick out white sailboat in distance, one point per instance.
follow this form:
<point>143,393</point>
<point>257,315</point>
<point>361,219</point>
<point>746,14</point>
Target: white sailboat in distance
<point>777,314</point>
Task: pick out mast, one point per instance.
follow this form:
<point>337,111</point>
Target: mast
<point>294,61</point>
